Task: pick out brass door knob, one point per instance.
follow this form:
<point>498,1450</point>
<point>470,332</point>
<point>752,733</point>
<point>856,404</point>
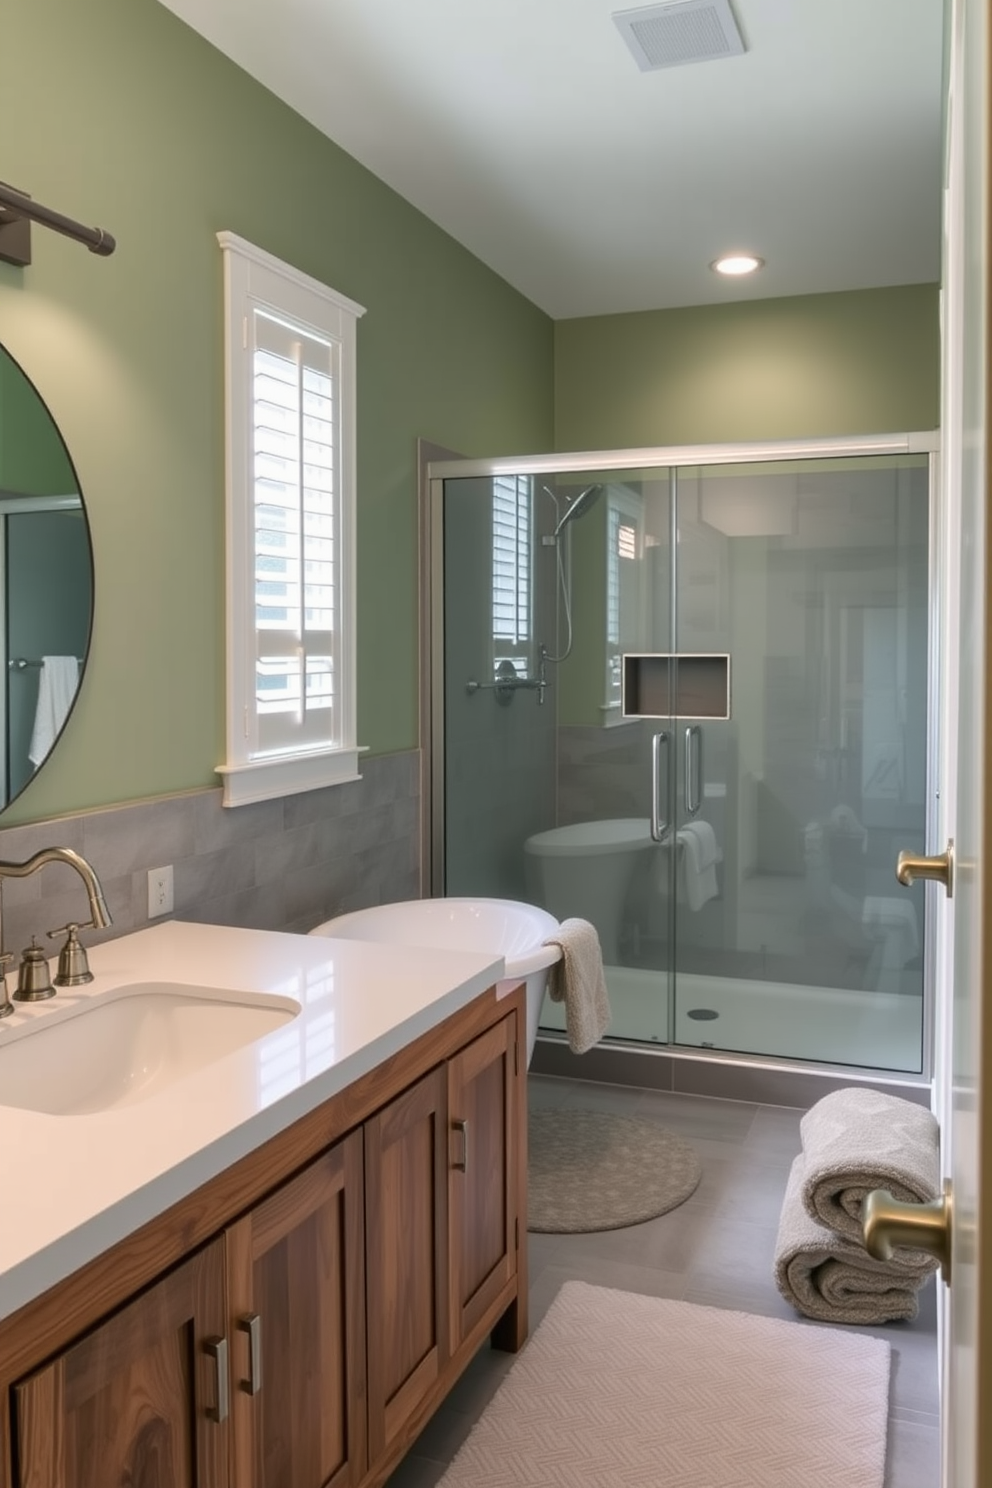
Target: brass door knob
<point>886,1222</point>
<point>910,867</point>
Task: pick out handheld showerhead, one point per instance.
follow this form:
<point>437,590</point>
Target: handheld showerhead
<point>576,508</point>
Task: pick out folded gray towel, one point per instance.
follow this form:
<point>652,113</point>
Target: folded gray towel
<point>578,981</point>
<point>855,1140</point>
<point>832,1278</point>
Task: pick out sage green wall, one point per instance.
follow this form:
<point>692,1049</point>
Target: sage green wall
<point>33,460</point>
<point>115,113</point>
<point>813,366</point>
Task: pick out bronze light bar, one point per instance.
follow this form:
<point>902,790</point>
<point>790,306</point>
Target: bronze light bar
<point>18,211</point>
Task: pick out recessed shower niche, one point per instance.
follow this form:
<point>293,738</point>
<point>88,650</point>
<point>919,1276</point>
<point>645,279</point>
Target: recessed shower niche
<point>675,686</point>
<point>720,666</point>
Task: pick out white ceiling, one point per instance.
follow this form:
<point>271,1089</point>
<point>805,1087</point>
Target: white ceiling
<point>525,129</point>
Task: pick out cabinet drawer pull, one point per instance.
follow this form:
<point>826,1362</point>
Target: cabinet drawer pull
<point>252,1325</point>
<point>217,1349</point>
<point>462,1126</point>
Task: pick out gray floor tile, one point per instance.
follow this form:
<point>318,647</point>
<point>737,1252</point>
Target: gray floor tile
<point>668,1243</point>
<point>541,1252</point>
<point>546,1092</point>
<point>446,1430</point>
<point>417,1472</point>
<point>585,1096</point>
<point>914,1369</point>
<point>696,1116</point>
<point>480,1381</point>
<point>913,1455</point>
<point>646,1281</point>
<point>776,1129</point>
<point>747,1192</point>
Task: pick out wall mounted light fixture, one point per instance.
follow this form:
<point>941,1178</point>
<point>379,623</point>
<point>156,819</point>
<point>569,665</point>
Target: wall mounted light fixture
<point>18,211</point>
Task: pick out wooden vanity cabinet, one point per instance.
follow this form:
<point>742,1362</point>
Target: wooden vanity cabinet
<point>406,1298</point>
<point>483,1197</point>
<point>442,1223</point>
<point>296,1288</point>
<point>379,1245</point>
<point>136,1400</point>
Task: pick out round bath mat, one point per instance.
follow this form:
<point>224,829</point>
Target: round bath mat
<point>592,1170</point>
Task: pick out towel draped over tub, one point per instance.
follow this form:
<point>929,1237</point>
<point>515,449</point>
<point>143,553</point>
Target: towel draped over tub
<point>579,982</point>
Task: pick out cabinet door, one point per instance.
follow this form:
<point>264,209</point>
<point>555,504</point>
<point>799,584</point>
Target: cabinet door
<point>406,1249</point>
<point>296,1276</point>
<point>482,1115</point>
<point>142,1399</point>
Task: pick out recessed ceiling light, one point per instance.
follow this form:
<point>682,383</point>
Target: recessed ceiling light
<point>737,263</point>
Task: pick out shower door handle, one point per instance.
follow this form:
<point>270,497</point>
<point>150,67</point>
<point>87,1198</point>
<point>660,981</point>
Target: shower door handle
<point>659,792</point>
<point>693,769</point>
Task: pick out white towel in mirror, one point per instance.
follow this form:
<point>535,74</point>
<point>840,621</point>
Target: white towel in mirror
<point>57,685</point>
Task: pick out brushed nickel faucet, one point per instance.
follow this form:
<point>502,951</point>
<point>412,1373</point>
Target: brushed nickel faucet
<point>33,981</point>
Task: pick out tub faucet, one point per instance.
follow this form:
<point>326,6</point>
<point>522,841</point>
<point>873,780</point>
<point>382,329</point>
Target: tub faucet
<point>99,919</point>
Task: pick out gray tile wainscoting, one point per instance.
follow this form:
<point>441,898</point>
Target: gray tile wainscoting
<point>285,864</point>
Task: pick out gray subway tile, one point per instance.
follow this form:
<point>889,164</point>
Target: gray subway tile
<point>216,826</point>
<point>148,835</point>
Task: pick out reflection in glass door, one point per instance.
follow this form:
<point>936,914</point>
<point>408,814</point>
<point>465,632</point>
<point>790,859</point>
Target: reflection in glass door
<point>815,577</point>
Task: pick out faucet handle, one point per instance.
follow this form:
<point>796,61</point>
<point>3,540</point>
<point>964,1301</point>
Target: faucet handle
<point>74,968</point>
<point>33,981</point>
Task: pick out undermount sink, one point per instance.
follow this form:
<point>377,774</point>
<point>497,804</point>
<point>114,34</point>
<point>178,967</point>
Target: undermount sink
<point>108,1053</point>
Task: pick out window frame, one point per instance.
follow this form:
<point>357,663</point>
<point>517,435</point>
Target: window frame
<point>256,280</point>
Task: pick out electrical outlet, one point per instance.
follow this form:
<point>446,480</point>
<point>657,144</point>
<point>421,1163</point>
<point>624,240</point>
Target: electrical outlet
<point>160,899</point>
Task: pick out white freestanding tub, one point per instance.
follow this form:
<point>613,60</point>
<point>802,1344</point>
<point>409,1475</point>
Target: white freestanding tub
<point>504,927</point>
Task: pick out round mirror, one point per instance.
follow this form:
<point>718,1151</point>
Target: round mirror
<point>46,580</point>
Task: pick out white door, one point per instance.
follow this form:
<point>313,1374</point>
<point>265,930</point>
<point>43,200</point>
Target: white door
<point>964,1048</point>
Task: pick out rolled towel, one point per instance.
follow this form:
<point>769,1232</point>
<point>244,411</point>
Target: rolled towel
<point>857,1139</point>
<point>578,981</point>
<point>833,1279</point>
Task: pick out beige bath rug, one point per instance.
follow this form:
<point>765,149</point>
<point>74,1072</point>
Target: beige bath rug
<point>591,1170</point>
<point>621,1391</point>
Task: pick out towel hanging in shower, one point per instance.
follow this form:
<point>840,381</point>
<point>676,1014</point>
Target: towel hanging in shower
<point>699,855</point>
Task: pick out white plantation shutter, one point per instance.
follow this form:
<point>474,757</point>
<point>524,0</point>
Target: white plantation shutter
<point>290,522</point>
<point>513,557</point>
<point>295,484</point>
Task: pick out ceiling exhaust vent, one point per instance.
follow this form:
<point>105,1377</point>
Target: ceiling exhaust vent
<point>680,32</point>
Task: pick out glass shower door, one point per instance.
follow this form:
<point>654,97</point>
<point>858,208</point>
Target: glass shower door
<point>610,859</point>
<point>792,937</point>
<point>730,825</point>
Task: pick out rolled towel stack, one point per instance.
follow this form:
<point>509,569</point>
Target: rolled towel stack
<point>855,1140</point>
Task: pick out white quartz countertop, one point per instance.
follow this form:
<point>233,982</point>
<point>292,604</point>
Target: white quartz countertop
<point>73,1185</point>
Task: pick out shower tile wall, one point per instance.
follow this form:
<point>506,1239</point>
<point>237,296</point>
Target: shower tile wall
<point>600,774</point>
<point>286,864</point>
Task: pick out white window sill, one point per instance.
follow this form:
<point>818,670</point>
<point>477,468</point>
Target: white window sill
<point>288,775</point>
